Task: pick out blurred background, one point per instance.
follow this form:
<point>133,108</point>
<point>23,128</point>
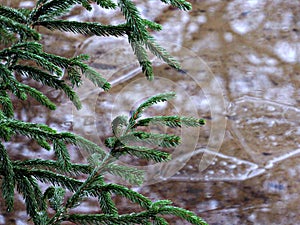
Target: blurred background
<point>240,71</point>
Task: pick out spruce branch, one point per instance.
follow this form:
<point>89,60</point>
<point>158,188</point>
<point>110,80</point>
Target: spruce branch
<point>180,4</point>
<point>13,26</point>
<point>182,213</point>
<point>8,180</point>
<point>171,121</point>
<point>13,14</point>
<point>24,186</point>
<point>49,80</point>
<point>5,102</point>
<point>55,197</point>
<point>101,219</point>
<point>49,69</point>
<point>132,175</point>
<point>85,28</point>
<point>161,53</point>
<point>32,47</point>
<point>120,190</point>
<point>152,25</point>
<point>159,221</point>
<point>74,66</point>
<point>162,140</point>
<point>53,165</point>
<point>51,8</point>
<point>134,20</point>
<point>106,203</point>
<point>107,4</point>
<point>88,146</point>
<point>46,176</point>
<point>44,144</point>
<point>146,153</point>
<point>119,125</point>
<point>39,96</point>
<point>14,87</point>
<point>26,55</point>
<point>6,38</point>
<point>149,102</point>
<point>96,79</point>
<point>93,179</point>
<point>142,58</point>
<point>62,154</point>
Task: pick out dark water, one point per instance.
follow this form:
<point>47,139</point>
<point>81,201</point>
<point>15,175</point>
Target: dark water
<point>241,72</point>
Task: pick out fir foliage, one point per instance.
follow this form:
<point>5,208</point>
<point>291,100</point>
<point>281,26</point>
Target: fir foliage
<point>22,56</point>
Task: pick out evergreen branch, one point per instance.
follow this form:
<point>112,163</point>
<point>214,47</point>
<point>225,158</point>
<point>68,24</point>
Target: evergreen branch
<point>124,192</point>
<point>97,79</point>
<point>24,186</point>
<point>38,193</point>
<point>5,132</point>
<point>37,131</point>
<point>103,219</point>
<point>72,65</point>
<point>8,180</point>
<point>134,20</point>
<point>163,140</point>
<point>5,76</point>
<point>146,153</point>
<point>85,28</point>
<point>25,12</point>
<point>142,57</point>
<point>6,38</point>
<point>32,47</point>
<point>26,55</point>
<point>44,144</point>
<point>106,203</point>
<point>20,91</point>
<point>132,175</point>
<point>56,198</point>
<point>9,82</point>
<point>180,4</point>
<point>51,8</point>
<point>149,102</point>
<point>86,4</point>
<point>107,4</point>
<point>111,142</point>
<point>61,61</point>
<point>152,25</point>
<point>49,80</point>
<point>94,179</point>
<point>158,204</point>
<point>182,213</point>
<point>74,76</point>
<point>24,31</point>
<point>143,217</point>
<point>159,221</point>
<point>39,96</point>
<point>62,154</point>
<point>46,176</point>
<point>171,121</point>
<point>13,14</point>
<point>119,125</point>
<point>88,146</point>
<point>161,53</point>
<point>75,169</point>
<point>7,106</point>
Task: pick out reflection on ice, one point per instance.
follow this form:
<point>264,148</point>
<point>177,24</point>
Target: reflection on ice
<point>222,167</point>
<point>265,128</point>
<point>268,132</point>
